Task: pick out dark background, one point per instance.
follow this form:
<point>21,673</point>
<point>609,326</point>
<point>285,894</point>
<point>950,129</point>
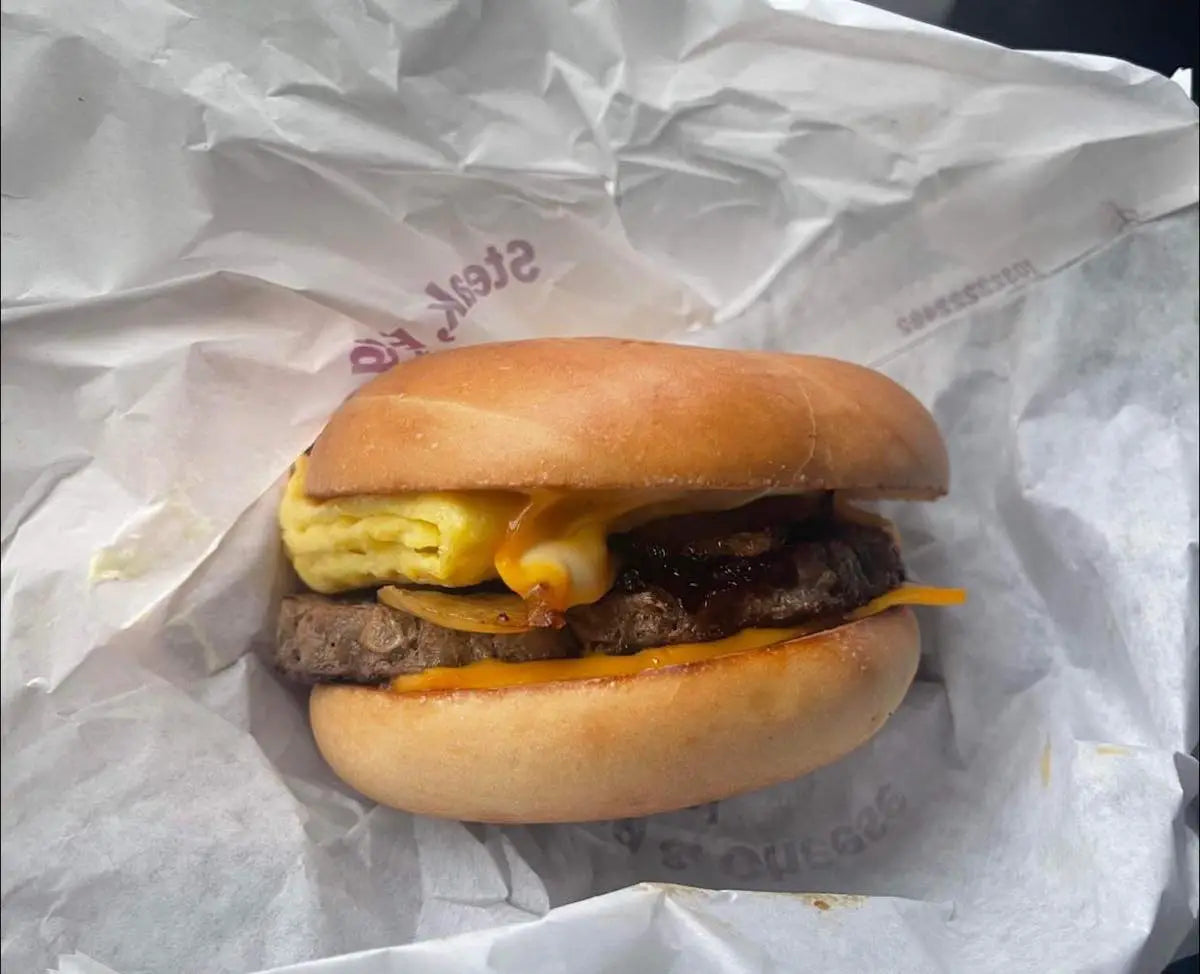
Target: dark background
<point>1160,34</point>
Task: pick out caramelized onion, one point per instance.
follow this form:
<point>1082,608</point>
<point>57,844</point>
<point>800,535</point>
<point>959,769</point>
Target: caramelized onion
<point>845,511</point>
<point>494,613</point>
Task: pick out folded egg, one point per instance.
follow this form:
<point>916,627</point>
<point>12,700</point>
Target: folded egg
<point>446,538</point>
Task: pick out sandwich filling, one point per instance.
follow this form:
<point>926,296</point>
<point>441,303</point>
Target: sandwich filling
<point>455,581</point>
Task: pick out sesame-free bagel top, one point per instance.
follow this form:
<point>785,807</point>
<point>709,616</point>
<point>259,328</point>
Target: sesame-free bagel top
<point>599,413</point>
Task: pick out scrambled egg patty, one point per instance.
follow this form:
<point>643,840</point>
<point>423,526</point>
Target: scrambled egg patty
<point>445,538</point>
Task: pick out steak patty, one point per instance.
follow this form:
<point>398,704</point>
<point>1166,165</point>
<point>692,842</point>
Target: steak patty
<point>829,570</point>
<point>322,640</point>
<point>670,590</point>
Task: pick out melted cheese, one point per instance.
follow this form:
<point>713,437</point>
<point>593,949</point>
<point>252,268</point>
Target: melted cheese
<point>495,674</point>
<point>911,595</point>
<point>557,548</point>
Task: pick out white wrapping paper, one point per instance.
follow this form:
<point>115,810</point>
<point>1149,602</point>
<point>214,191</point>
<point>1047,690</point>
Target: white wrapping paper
<point>218,218</point>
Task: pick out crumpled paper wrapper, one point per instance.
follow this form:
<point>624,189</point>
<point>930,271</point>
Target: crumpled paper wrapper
<point>220,218</point>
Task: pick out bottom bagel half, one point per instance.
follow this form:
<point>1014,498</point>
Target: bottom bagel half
<point>621,746</point>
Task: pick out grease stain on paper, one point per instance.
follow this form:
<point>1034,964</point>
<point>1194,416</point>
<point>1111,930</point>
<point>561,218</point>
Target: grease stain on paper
<point>155,540</point>
<point>830,901</point>
<point>824,902</point>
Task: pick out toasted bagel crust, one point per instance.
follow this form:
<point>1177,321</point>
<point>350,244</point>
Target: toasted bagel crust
<point>598,413</point>
<point>621,746</point>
